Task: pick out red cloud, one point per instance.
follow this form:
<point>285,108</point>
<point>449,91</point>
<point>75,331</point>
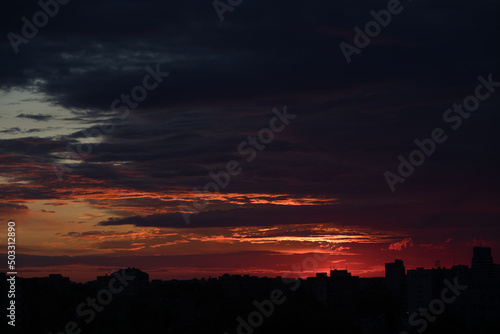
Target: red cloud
<point>401,244</point>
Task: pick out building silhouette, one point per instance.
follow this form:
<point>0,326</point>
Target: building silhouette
<point>395,275</point>
<point>482,262</point>
<point>479,303</point>
<point>336,302</point>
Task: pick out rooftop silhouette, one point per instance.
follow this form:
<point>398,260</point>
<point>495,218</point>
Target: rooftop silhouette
<point>126,301</point>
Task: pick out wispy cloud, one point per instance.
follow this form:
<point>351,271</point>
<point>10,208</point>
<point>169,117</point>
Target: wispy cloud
<point>400,245</point>
<point>38,117</point>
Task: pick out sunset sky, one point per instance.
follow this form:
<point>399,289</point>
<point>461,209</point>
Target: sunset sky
<point>317,186</point>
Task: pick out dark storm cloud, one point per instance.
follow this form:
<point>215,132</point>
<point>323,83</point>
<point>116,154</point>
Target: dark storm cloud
<point>30,146</point>
<point>388,214</point>
<point>93,51</point>
<point>353,120</point>
<point>17,130</point>
<point>247,217</point>
<point>38,117</point>
<point>11,130</point>
<point>56,204</point>
<point>11,206</point>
